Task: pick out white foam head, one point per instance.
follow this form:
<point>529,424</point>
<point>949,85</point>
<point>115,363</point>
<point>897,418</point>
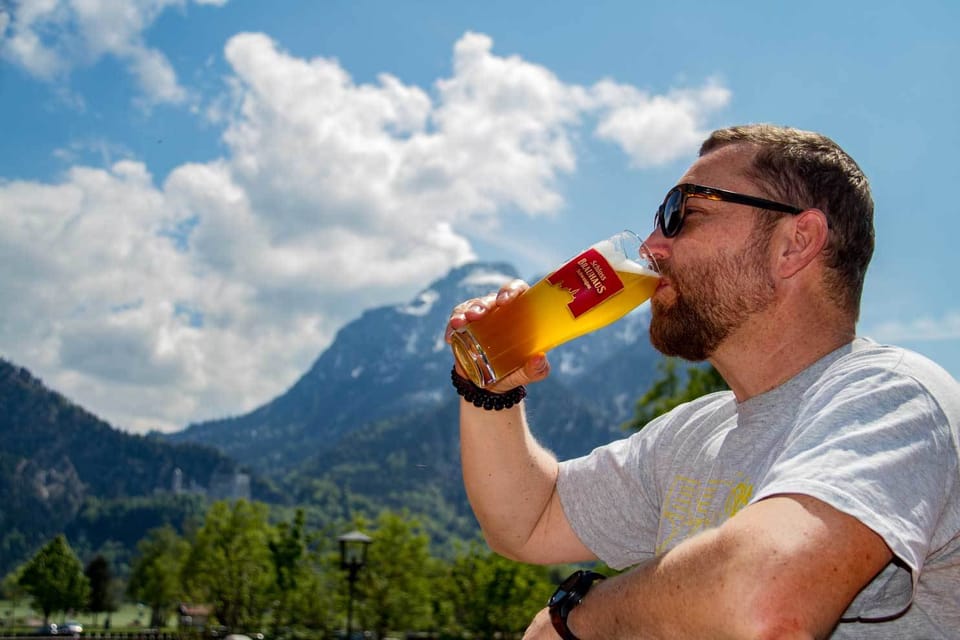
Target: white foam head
<point>622,251</point>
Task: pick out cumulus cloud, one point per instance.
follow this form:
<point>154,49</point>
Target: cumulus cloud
<point>159,304</point>
<point>654,129</point>
<point>922,329</point>
<point>48,38</point>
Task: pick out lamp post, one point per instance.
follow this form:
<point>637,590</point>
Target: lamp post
<point>353,555</point>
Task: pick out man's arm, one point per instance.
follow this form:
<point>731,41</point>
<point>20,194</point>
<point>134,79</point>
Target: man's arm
<point>511,480</point>
<point>785,567</point>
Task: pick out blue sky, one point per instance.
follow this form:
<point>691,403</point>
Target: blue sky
<point>196,194</point>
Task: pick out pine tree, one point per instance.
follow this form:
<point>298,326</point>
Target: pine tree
<point>101,594</point>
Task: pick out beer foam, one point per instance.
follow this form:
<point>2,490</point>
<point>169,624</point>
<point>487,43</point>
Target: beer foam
<point>620,262</point>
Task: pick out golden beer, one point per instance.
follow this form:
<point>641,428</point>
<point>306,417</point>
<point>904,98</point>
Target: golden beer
<point>587,293</point>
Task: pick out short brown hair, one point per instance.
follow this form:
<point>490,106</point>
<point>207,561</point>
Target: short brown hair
<point>810,170</point>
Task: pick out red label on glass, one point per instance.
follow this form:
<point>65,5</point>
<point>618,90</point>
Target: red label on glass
<point>589,278</point>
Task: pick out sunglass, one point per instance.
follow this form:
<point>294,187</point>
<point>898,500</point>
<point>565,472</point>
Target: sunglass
<point>670,214</point>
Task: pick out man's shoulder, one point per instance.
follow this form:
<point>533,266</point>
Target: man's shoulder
<point>885,365</point>
<point>864,354</point>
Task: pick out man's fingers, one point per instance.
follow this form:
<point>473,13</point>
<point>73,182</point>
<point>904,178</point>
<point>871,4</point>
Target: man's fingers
<point>534,370</point>
<point>511,290</point>
<point>475,308</point>
<point>468,311</point>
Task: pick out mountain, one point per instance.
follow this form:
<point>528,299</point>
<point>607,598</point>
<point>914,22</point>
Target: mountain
<point>373,423</point>
<point>61,465</point>
<point>392,362</point>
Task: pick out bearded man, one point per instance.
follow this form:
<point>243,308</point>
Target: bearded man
<point>819,498</point>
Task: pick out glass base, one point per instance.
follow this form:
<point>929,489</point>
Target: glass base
<point>472,359</point>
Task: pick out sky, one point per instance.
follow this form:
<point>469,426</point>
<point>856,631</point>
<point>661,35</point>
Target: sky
<point>195,195</point>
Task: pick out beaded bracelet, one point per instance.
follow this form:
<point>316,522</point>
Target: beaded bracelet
<point>484,399</point>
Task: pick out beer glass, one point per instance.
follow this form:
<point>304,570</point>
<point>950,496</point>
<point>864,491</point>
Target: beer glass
<point>590,291</point>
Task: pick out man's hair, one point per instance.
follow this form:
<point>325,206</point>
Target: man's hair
<point>810,170</point>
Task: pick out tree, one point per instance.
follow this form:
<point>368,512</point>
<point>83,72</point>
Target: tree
<point>306,579</point>
<point>394,591</point>
<point>288,552</point>
<point>12,589</point>
<point>155,575</point>
<point>54,579</point>
<point>491,596</point>
<point>670,391</point>
<point>229,566</point>
<point>101,594</point>
<point>313,605</point>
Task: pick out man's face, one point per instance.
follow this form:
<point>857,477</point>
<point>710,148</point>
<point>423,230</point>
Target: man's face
<point>716,272</point>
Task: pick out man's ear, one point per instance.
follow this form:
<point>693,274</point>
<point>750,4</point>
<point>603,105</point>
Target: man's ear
<point>802,241</point>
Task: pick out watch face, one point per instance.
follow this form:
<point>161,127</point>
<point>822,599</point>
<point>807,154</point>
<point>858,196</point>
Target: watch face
<point>564,589</point>
<point>557,597</point>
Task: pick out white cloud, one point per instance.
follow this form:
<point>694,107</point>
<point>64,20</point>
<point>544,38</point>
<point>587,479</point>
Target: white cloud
<point>653,130</point>
<point>159,304</point>
<point>923,329</point>
<point>48,38</point>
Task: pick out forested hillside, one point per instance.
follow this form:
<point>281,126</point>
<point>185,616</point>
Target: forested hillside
<point>58,462</point>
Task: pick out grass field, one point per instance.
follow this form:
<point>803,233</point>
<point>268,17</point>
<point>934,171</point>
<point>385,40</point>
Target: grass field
<point>129,616</point>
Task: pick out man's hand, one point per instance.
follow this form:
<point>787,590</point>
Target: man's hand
<point>475,308</point>
<point>535,369</point>
<point>541,628</point>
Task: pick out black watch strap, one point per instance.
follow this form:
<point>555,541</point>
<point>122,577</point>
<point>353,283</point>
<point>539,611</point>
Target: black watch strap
<point>568,595</point>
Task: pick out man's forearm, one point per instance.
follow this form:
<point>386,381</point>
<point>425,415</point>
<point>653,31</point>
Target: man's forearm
<point>785,567</point>
<point>680,595</point>
<point>509,477</point>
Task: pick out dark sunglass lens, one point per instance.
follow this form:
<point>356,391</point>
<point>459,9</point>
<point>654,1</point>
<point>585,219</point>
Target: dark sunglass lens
<point>672,214</point>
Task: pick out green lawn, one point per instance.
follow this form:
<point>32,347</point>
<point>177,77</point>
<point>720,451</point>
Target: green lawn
<point>126,617</point>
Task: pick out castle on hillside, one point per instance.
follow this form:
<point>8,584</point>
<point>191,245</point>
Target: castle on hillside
<point>223,486</point>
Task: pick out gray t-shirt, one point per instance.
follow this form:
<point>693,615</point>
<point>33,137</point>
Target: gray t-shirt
<point>871,430</point>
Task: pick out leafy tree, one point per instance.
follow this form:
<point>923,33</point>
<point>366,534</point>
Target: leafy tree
<point>12,589</point>
<point>229,566</point>
<point>491,596</point>
<point>394,592</point>
<point>288,552</point>
<point>313,605</point>
<point>101,593</point>
<point>54,578</point>
<point>671,390</point>
<point>155,575</point>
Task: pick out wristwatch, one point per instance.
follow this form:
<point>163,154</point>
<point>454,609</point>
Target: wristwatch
<point>567,596</point>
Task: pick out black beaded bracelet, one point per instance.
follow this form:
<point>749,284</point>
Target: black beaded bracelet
<point>484,399</point>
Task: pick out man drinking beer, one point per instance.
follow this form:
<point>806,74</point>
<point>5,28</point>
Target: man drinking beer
<point>820,497</point>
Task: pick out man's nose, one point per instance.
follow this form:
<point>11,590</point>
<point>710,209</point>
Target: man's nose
<point>657,245</point>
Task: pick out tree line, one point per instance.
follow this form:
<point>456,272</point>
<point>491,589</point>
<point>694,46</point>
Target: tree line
<point>286,581</point>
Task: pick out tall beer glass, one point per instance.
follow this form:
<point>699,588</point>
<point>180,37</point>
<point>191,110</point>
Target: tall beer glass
<point>590,291</point>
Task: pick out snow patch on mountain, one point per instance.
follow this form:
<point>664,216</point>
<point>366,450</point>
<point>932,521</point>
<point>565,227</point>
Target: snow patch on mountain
<point>412,342</point>
<point>421,305</point>
<point>570,364</point>
<point>493,279</point>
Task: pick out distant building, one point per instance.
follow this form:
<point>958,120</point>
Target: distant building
<point>230,486</point>
<point>193,616</point>
<point>223,486</point>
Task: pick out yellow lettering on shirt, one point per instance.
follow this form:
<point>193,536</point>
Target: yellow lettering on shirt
<point>693,505</point>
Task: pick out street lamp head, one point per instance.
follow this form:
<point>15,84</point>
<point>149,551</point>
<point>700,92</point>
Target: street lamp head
<point>353,550</point>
